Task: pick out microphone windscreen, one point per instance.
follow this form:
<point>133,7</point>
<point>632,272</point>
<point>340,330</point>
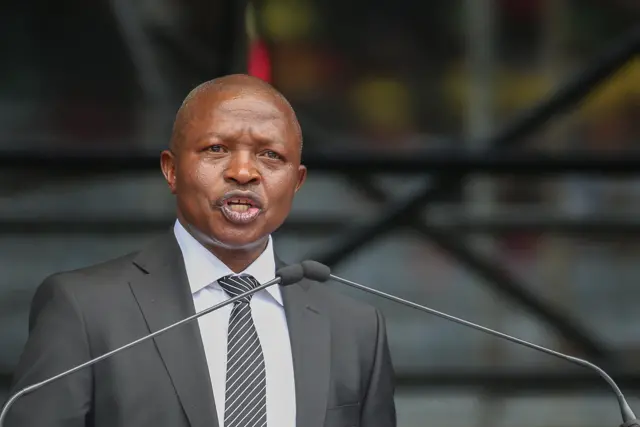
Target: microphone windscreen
<point>290,274</point>
<point>313,270</point>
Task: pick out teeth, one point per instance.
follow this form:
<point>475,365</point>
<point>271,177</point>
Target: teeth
<point>239,202</point>
<point>239,208</point>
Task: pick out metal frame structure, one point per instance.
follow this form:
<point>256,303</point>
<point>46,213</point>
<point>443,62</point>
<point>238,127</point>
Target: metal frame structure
<point>448,172</point>
<point>404,210</point>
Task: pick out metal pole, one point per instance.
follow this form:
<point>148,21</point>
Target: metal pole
<point>479,190</point>
<point>141,51</point>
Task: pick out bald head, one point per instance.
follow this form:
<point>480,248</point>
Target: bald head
<point>208,95</point>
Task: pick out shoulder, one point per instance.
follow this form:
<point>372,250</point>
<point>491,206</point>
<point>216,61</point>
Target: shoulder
<point>81,278</point>
<point>112,271</point>
<point>88,286</point>
<point>66,290</point>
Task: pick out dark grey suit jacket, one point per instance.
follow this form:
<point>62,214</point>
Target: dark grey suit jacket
<point>342,368</point>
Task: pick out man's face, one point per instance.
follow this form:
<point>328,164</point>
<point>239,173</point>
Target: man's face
<point>236,168</point>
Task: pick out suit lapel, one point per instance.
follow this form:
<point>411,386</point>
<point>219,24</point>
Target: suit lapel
<point>164,297</point>
<point>311,347</point>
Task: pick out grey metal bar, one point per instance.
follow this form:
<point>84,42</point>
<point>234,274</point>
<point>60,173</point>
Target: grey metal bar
<point>455,164</point>
<point>500,225</point>
<point>486,380</point>
<point>111,227</point>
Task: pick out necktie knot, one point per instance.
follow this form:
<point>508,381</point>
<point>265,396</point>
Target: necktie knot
<point>235,285</point>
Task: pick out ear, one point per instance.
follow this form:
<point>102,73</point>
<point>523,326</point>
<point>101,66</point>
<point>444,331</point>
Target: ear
<point>168,166</point>
<point>302,176</point>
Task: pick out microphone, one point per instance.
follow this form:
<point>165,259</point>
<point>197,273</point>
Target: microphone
<point>285,276</point>
<point>314,270</point>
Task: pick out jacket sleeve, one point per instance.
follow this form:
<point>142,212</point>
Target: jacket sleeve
<point>57,342</point>
<point>378,406</point>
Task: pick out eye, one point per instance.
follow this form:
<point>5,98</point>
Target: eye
<point>272,155</point>
<point>217,148</point>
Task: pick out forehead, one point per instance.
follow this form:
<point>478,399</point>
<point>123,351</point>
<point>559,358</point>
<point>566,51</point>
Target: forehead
<point>239,108</point>
<point>248,107</point>
<point>233,114</point>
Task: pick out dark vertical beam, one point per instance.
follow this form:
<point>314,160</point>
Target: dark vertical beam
<point>239,48</point>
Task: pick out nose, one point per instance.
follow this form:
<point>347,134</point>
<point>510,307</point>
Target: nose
<point>242,169</point>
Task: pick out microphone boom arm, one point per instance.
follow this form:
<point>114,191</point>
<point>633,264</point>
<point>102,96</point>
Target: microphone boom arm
<point>36,386</point>
<point>627,414</point>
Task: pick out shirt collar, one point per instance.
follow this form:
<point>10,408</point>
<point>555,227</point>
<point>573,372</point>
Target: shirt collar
<point>204,269</point>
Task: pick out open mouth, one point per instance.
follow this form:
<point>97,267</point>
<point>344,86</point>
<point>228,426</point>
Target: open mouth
<point>240,210</point>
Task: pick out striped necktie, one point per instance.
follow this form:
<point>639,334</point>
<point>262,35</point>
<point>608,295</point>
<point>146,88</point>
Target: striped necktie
<point>246,383</point>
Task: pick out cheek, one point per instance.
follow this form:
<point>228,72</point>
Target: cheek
<point>281,186</point>
<point>203,177</point>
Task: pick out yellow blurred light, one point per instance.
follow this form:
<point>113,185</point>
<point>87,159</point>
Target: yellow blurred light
<point>382,102</point>
<point>513,89</point>
<point>518,89</point>
<point>251,23</point>
<point>286,20</point>
<point>622,87</point>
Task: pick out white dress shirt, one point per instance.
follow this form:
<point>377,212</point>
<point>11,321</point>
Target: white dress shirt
<point>203,270</point>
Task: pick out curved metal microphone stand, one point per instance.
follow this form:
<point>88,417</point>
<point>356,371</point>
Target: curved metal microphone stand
<point>321,273</point>
<point>627,414</point>
<point>291,270</point>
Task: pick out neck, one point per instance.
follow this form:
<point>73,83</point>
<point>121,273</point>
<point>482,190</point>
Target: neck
<point>238,259</point>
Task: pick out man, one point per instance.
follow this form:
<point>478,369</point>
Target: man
<point>294,356</point>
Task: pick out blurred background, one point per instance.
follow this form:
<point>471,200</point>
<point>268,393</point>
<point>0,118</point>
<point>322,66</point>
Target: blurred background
<point>402,105</point>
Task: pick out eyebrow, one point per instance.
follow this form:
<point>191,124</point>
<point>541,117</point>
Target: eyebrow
<point>229,138</point>
<point>214,134</point>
